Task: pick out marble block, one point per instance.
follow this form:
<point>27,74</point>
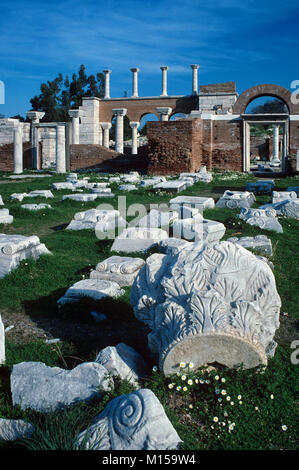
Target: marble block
<point>36,207</point>
<point>197,228</point>
<point>16,248</point>
<point>114,179</point>
<point>1,201</point>
<point>280,196</point>
<point>260,242</point>
<point>294,188</point>
<point>14,429</point>
<point>135,239</point>
<point>200,203</point>
<point>262,218</point>
<point>131,422</point>
<point>95,289</point>
<point>124,362</point>
<point>100,220</point>
<point>236,199</point>
<point>130,178</point>
<point>18,196</point>
<point>63,185</point>
<point>41,193</point>
<point>80,197</point>
<point>158,219</point>
<point>100,190</point>
<point>260,186</point>
<point>5,218</point>
<point>127,187</point>
<point>172,246</point>
<point>171,186</point>
<point>120,269</point>
<point>46,389</point>
<point>215,303</point>
<point>2,342</point>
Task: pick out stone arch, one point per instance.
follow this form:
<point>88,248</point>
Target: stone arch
<point>257,91</point>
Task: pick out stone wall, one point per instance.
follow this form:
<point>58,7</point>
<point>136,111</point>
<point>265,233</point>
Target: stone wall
<point>7,156</point>
<point>174,146</point>
<point>226,142</point>
<point>90,156</point>
<point>7,130</point>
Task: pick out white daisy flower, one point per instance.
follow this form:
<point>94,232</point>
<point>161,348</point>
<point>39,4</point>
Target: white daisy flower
<point>284,427</point>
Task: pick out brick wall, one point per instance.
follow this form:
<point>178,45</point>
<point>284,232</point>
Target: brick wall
<point>174,146</point>
<point>227,141</point>
<point>294,137</point>
<point>7,156</point>
<point>227,87</point>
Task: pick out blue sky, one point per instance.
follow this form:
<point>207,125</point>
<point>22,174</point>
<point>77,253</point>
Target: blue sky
<point>247,41</point>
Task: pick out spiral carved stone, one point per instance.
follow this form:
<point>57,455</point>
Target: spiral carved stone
<point>128,415</point>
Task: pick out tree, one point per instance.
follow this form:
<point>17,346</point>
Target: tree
<point>2,116</point>
<point>61,94</point>
<point>18,116</point>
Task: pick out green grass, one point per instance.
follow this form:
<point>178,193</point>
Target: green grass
<point>35,286</point>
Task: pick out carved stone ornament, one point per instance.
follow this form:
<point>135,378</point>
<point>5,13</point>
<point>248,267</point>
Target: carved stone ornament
<point>216,302</point>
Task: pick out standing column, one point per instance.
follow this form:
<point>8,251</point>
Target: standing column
<point>275,142</point>
<point>60,149</point>
<point>100,133</point>
<point>107,84</point>
<point>35,117</point>
<point>106,126</point>
<point>75,115</point>
<point>135,82</point>
<point>134,126</point>
<point>35,148</point>
<point>195,68</point>
<point>164,80</point>
<point>18,149</point>
<point>164,113</point>
<point>119,129</point>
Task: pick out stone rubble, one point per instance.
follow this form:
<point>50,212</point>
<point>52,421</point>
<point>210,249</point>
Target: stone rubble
<point>95,289</point>
<point>120,269</point>
<point>14,429</point>
<point>134,239</point>
<point>263,218</point>
<point>5,218</point>
<point>235,200</point>
<point>260,242</point>
<point>36,207</point>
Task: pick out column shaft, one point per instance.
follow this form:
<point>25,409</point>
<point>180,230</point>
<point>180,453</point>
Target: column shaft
<point>35,148</point>
<point>18,150</point>
<point>107,83</point>
<point>135,83</point>
<point>60,149</point>
<point>134,127</point>
<point>164,81</point>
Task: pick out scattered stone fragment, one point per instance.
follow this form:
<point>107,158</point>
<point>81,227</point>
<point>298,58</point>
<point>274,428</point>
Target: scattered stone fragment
<point>36,207</point>
<point>260,242</point>
<point>41,193</point>
<point>13,429</point>
<point>189,181</point>
<point>200,203</point>
<point>100,220</point>
<point>262,218</point>
<point>1,201</point>
<point>288,208</point>
<point>123,361</point>
<point>114,179</point>
<point>294,188</point>
<point>281,196</point>
<point>236,199</point>
<point>5,218</point>
<point>260,186</point>
<point>214,303</point>
<point>80,197</point>
<point>96,289</point>
<point>131,178</point>
<point>16,248</point>
<point>63,185</point>
<point>131,422</point>
<point>197,228</point>
<point>18,196</point>
<point>39,387</point>
<point>72,177</point>
<point>172,246</point>
<point>100,190</point>
<point>172,186</point>
<point>158,219</point>
<point>135,239</point>
<point>120,269</point>
<point>127,187</point>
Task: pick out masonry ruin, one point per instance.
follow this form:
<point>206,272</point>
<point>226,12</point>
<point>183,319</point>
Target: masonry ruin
<point>208,127</point>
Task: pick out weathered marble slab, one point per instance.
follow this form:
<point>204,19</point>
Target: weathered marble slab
<point>96,289</point>
<point>46,389</point>
<point>172,186</point>
<point>131,422</point>
<point>281,196</point>
<point>120,269</point>
<point>294,188</point>
<point>197,228</point>
<point>127,187</point>
<point>200,203</point>
<point>131,178</point>
<point>18,196</point>
<point>41,193</point>
<point>262,218</point>
<point>5,218</point>
<point>261,186</point>
<point>80,197</point>
<point>63,185</point>
<point>260,242</point>
<point>124,362</point>
<point>114,179</point>
<point>36,207</point>
<point>1,201</point>
<point>100,190</point>
<point>214,303</point>
<point>158,219</point>
<point>172,246</point>
<point>14,429</point>
<point>100,220</point>
<point>134,239</point>
<point>235,199</point>
<point>16,248</point>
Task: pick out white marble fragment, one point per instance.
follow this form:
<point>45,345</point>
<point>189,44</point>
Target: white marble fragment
<point>262,218</point>
<point>172,186</point>
<point>197,228</point>
<point>260,242</point>
<point>95,289</point>
<point>123,361</point>
<point>216,302</point>
<point>16,248</point>
<point>36,207</point>
<point>120,269</point>
<point>158,219</point>
<point>2,342</point>
<point>41,193</point>
<point>5,218</point>
<point>260,186</point>
<point>127,187</point>
<point>13,429</point>
<point>172,246</point>
<point>281,196</point>
<point>200,203</point>
<point>80,197</point>
<point>1,201</point>
<point>18,196</point>
<point>236,199</point>
<point>39,387</point>
<point>131,422</point>
<point>134,239</point>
